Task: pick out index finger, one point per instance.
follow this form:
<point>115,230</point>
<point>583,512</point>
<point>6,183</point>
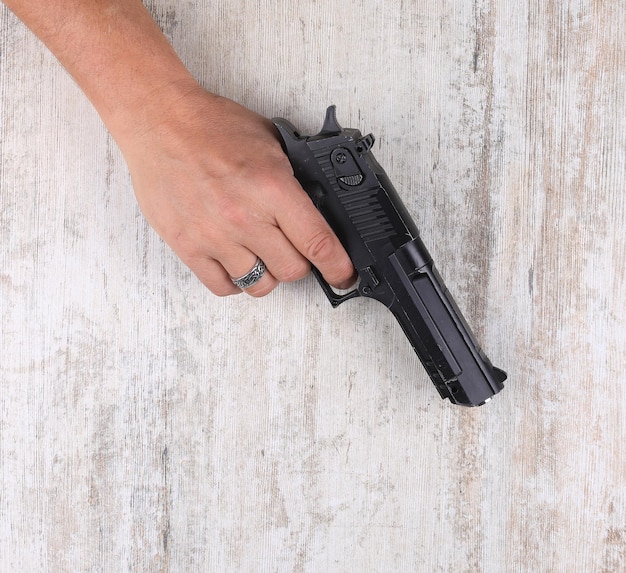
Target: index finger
<point>313,237</point>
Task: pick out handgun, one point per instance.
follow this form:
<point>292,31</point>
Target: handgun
<point>338,171</point>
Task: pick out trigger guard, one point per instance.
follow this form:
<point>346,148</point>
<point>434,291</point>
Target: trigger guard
<point>334,298</point>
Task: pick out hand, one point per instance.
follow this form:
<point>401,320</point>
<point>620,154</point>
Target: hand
<point>209,175</point>
<point>212,179</point>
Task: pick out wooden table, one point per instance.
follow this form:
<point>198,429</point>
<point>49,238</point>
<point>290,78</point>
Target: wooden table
<point>147,425</point>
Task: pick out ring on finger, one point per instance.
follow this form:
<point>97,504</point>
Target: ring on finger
<point>252,277</point>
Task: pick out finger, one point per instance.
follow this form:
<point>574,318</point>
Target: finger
<point>213,275</point>
<point>311,235</point>
<point>240,264</point>
<point>282,259</point>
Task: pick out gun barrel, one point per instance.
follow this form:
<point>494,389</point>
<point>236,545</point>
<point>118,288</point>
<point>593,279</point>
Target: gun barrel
<point>438,332</point>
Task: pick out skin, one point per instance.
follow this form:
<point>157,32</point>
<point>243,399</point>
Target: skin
<point>209,175</point>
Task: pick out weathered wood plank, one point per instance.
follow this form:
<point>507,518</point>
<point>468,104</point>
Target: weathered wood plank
<point>146,425</point>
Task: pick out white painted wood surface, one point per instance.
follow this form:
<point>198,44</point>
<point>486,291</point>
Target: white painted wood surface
<point>146,425</point>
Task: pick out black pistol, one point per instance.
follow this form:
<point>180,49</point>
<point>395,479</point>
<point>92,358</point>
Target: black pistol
<point>354,194</point>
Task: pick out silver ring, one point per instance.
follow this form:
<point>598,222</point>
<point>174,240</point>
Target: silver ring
<point>252,277</point>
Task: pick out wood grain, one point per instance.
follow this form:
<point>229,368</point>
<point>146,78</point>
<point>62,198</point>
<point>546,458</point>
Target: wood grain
<point>146,425</point>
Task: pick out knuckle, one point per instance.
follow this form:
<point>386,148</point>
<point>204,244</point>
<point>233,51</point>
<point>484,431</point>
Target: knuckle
<point>320,247</point>
<point>183,244</point>
<point>233,212</point>
<point>295,271</point>
<point>190,244</point>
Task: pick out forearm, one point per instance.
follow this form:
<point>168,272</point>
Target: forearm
<point>209,174</point>
<point>115,52</point>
